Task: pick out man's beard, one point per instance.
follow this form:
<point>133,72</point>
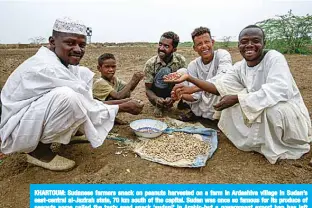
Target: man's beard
<point>166,56</point>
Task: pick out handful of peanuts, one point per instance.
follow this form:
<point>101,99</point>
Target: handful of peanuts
<point>173,76</point>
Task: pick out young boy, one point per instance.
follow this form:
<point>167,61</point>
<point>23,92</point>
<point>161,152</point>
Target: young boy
<point>110,87</point>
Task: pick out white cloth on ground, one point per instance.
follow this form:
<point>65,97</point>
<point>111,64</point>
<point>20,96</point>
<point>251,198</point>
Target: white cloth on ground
<point>45,101</point>
<point>204,101</point>
<point>271,117</point>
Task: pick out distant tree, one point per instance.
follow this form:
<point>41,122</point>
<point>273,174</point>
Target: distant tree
<point>288,33</point>
<point>226,40</point>
<point>37,40</point>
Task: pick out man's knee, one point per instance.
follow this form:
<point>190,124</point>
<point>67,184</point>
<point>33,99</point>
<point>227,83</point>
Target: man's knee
<point>65,94</point>
<point>277,111</point>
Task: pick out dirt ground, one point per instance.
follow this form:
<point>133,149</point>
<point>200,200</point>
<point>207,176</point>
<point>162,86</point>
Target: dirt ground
<point>102,165</point>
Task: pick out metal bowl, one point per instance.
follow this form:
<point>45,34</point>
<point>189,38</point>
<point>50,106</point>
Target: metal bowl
<point>148,128</point>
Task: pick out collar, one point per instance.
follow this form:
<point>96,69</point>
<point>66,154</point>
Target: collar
<point>174,60</point>
<point>213,57</point>
<point>47,51</point>
<point>112,82</point>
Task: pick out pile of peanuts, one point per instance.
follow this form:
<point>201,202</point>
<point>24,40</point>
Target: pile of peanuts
<point>175,147</point>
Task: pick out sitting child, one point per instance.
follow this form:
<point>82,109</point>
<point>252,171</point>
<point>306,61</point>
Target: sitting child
<point>110,87</point>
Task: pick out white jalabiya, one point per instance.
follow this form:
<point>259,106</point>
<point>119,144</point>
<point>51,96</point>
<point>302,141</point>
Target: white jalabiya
<point>222,61</point>
<point>42,100</point>
<point>271,117</point>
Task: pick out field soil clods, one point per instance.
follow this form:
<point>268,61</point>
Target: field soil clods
<point>102,165</point>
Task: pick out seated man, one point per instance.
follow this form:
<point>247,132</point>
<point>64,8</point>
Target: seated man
<point>209,65</point>
<point>262,108</point>
<point>109,86</point>
<point>49,97</point>
<point>167,61</point>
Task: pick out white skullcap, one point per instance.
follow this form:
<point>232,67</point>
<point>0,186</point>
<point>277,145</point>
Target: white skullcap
<point>67,25</point>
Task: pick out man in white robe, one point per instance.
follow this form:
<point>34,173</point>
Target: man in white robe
<point>262,108</point>
<point>208,66</point>
<point>49,97</point>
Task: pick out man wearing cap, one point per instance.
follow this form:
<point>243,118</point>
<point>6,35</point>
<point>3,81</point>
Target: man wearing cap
<point>49,97</point>
<point>167,61</point>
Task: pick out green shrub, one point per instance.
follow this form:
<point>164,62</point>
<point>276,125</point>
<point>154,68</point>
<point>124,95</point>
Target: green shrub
<point>288,33</point>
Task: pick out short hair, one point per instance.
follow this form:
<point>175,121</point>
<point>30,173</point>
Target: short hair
<point>104,57</point>
<point>58,34</point>
<point>252,26</point>
<point>174,37</point>
<point>200,31</point>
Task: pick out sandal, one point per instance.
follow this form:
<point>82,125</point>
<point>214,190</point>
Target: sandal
<point>190,116</point>
<point>58,163</point>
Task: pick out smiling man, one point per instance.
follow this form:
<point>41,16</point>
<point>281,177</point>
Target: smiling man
<point>262,108</point>
<point>49,97</point>
<point>208,66</point>
<point>167,61</point>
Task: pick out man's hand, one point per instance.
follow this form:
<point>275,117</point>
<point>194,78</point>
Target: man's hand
<point>173,93</point>
<point>175,77</point>
<point>160,102</point>
<point>174,96</point>
<point>179,90</point>
<point>226,102</point>
<point>137,76</point>
<point>168,103</point>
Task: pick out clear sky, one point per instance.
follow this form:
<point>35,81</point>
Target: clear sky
<point>139,20</point>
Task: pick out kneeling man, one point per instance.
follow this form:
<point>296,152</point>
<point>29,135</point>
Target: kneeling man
<point>262,108</point>
<point>49,97</point>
